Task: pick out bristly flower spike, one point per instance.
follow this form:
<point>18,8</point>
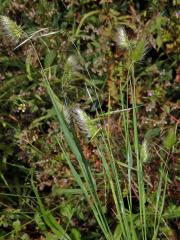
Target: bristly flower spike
<point>85,124</point>
<point>73,63</point>
<point>81,120</point>
<point>67,115</point>
<point>10,28</point>
<point>140,50</point>
<point>122,38</point>
<point>145,151</point>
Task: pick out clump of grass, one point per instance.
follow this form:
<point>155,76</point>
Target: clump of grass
<point>85,177</point>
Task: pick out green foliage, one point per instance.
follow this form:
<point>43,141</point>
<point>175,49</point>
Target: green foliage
<point>49,218</point>
<point>17,226</point>
<point>75,234</point>
<point>170,139</point>
<point>72,78</point>
<point>49,58</point>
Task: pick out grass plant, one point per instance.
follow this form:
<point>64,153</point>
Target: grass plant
<point>119,179</point>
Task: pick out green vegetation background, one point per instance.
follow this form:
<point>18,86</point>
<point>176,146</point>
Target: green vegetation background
<point>29,130</point>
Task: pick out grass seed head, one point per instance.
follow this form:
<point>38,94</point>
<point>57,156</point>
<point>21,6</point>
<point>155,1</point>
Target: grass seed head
<point>67,115</point>
<point>145,151</point>
<point>121,38</point>
<point>140,50</point>
<point>81,120</point>
<point>73,63</point>
<point>10,28</point>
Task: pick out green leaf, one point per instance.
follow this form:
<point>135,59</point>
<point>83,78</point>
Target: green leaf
<point>17,225</point>
<point>75,234</point>
<point>49,58</point>
<point>39,221</point>
<point>152,133</point>
<point>51,236</point>
<point>170,139</point>
<point>173,211</point>
<point>118,232</point>
<point>25,236</point>
<point>67,210</point>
